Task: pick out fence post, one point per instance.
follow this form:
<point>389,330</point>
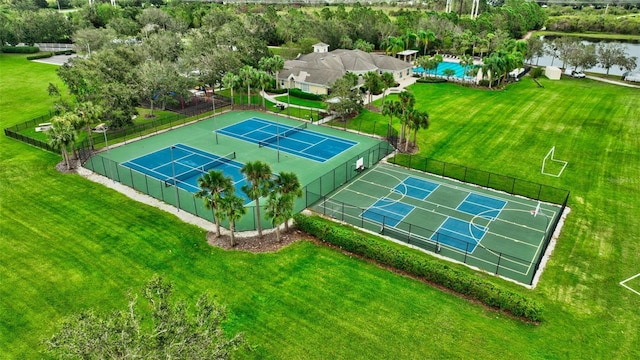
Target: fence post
<point>498,264</point>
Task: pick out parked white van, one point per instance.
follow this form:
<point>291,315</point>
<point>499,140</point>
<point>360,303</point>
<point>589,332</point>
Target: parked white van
<point>632,77</point>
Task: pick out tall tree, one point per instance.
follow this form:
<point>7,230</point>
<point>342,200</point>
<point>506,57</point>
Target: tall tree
<point>231,81</point>
<point>247,75</point>
<point>373,83</point>
<point>163,329</point>
<point>232,208</point>
<point>424,37</point>
<point>61,135</point>
<point>393,45</point>
<point>388,81</point>
<point>288,186</point>
<point>390,108</point>
<point>348,97</point>
<point>89,114</point>
<point>272,65</point>
<point>259,184</point>
<point>407,102</point>
<point>263,79</point>
<point>212,187</point>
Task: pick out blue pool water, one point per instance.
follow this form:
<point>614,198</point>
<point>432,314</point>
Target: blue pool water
<point>441,68</point>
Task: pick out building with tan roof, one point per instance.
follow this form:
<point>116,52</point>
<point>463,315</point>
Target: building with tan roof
<point>317,71</point>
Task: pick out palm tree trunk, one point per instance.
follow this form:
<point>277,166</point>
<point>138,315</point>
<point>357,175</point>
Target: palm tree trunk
<point>286,225</point>
<point>232,100</point>
<point>232,229</point>
<point>258,217</point>
<point>217,220</point>
<point>65,156</point>
<point>278,233</point>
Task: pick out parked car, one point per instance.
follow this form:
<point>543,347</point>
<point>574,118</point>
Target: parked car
<point>632,77</point>
<point>574,73</point>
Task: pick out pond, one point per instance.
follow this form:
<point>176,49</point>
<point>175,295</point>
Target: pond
<point>632,49</point>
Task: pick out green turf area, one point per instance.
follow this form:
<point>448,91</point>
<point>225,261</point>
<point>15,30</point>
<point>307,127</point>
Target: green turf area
<point>302,102</point>
<point>503,238</point>
<point>69,244</point>
<point>201,135</point>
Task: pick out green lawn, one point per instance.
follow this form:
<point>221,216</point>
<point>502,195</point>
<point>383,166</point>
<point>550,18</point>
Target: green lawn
<point>69,244</point>
<point>302,102</point>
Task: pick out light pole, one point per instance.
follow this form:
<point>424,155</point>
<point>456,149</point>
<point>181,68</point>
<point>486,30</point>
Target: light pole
<point>213,101</point>
<point>288,103</point>
<point>106,143</point>
<point>173,174</point>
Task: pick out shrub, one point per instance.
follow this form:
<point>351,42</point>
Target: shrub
<point>20,49</point>
<point>536,72</point>
<point>63,52</point>
<point>40,56</point>
<point>304,95</point>
<point>430,80</point>
<point>382,252</point>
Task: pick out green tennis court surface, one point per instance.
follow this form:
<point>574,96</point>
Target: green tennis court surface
<point>494,231</point>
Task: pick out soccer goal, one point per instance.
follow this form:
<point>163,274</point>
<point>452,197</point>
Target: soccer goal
<point>550,165</point>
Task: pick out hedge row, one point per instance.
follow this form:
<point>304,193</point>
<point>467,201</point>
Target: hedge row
<point>20,49</point>
<point>431,80</point>
<point>40,56</point>
<point>304,95</point>
<point>442,274</point>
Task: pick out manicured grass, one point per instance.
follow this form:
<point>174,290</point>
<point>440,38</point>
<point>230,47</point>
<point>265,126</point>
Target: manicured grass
<point>302,102</point>
<point>69,244</point>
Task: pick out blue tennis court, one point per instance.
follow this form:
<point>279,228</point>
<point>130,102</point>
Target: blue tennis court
<point>416,188</point>
<point>387,212</point>
<point>296,140</point>
<point>459,234</point>
<point>481,205</point>
<point>182,165</point>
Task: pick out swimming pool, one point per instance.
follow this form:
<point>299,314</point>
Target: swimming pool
<point>441,68</point>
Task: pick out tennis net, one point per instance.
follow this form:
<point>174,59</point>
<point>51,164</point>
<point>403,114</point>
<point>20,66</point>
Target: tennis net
<point>286,133</point>
<point>203,168</point>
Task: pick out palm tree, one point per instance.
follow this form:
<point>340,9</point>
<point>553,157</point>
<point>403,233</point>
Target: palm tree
<point>232,208</point>
<point>387,81</point>
<point>61,135</point>
<point>420,121</point>
<point>288,186</point>
<point>89,114</point>
<point>390,108</point>
<point>466,61</point>
<point>437,59</point>
<point>272,65</point>
<point>409,37</point>
<point>247,76</point>
<point>407,101</point>
<point>424,37</point>
<point>230,81</point>
<point>259,184</point>
<point>212,186</point>
<point>394,45</point>
<point>277,211</point>
<point>263,79</point>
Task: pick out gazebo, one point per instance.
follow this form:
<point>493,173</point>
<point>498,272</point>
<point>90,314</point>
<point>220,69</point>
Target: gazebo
<point>408,55</point>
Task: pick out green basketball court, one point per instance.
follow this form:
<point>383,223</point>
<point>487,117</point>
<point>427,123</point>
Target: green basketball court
<point>494,231</point>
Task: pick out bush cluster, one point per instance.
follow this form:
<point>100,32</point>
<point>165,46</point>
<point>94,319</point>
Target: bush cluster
<point>304,95</point>
<point>431,80</point>
<point>380,251</point>
<point>63,52</point>
<point>20,49</point>
<point>40,56</point>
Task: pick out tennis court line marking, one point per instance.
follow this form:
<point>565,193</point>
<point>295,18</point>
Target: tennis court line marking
<point>345,141</point>
<point>628,287</point>
<point>514,201</point>
<point>164,178</point>
<point>538,246</point>
<point>463,236</point>
<point>504,203</point>
<point>407,186</point>
<point>430,241</point>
